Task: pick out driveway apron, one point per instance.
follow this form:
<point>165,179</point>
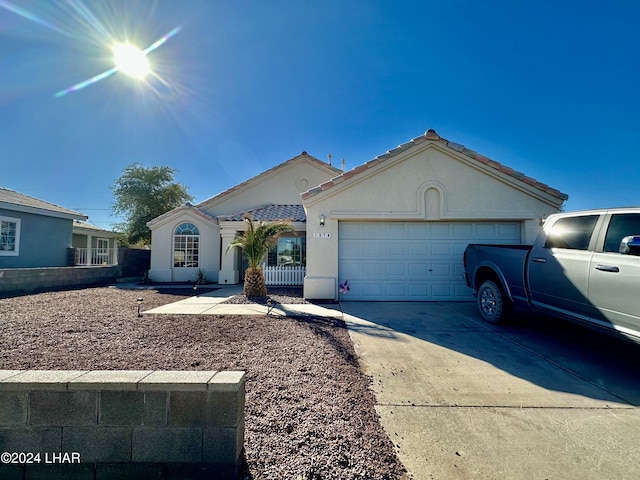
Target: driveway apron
<point>461,399</point>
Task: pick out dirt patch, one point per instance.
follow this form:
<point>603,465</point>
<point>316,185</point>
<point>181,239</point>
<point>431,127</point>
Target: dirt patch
<point>310,413</point>
<point>282,295</point>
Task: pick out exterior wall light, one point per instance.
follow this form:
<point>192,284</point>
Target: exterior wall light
<point>322,218</point>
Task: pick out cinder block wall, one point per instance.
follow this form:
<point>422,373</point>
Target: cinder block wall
<point>121,424</point>
<point>21,280</point>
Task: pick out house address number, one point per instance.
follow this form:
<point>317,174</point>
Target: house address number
<point>321,235</point>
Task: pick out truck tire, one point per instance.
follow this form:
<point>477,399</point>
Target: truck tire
<point>494,307</point>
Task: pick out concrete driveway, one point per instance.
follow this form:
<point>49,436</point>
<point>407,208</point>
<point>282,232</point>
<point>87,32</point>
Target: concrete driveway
<point>461,399</point>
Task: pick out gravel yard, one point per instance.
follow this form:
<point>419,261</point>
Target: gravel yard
<point>310,413</point>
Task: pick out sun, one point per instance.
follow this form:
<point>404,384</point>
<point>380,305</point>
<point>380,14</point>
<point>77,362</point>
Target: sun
<point>131,60</point>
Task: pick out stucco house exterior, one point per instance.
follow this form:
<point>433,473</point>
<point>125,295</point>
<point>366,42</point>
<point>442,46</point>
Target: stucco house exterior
<point>395,227</point>
<point>194,237</point>
<point>34,233</point>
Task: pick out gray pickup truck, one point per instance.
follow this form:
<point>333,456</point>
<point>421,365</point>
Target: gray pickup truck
<point>583,266</point>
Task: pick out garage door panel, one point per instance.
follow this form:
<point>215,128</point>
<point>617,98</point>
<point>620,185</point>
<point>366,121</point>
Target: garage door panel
<point>373,269</point>
<point>441,249</point>
<point>416,250</point>
<point>396,249</point>
<point>395,290</point>
<point>508,231</point>
<point>350,249</point>
<point>441,291</point>
<point>418,269</point>
<point>439,230</point>
<point>373,290</point>
<point>412,260</point>
<point>350,230</point>
<point>354,270</point>
<point>395,230</point>
<point>462,230</point>
<point>373,230</point>
<point>486,230</point>
<point>417,230</point>
<point>441,270</point>
<point>373,249</point>
<point>395,269</point>
<point>418,291</point>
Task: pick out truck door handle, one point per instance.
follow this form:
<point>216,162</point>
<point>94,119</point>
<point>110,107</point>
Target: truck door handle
<point>539,260</point>
<point>607,268</point>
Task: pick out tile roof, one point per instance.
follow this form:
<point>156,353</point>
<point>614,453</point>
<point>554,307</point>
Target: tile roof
<point>242,185</point>
<point>431,135</point>
<point>12,197</point>
<point>270,213</point>
<point>78,224</point>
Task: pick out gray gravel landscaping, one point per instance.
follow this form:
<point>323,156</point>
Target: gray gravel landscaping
<point>310,411</point>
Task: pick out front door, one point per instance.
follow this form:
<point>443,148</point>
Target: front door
<point>102,252</point>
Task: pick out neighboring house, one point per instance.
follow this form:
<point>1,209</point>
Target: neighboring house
<point>34,233</point>
<point>395,227</point>
<point>93,245</point>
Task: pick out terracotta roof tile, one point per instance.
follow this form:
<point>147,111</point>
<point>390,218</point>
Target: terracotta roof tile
<point>270,213</point>
<point>433,136</point>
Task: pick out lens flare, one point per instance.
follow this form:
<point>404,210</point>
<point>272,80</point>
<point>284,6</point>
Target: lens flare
<point>128,59</point>
<point>131,60</point>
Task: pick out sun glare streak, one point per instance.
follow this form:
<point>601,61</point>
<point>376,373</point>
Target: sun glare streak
<point>86,14</point>
<point>31,16</point>
<point>162,40</point>
<point>128,59</point>
<point>86,83</point>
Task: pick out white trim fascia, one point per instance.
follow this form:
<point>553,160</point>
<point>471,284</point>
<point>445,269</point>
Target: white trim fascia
<point>241,225</point>
<point>177,212</point>
<point>41,211</point>
<point>90,231</point>
<point>419,216</point>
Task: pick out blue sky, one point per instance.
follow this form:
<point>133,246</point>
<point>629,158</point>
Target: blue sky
<point>549,88</point>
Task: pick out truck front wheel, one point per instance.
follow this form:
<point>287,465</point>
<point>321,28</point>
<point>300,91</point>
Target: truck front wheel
<point>493,306</point>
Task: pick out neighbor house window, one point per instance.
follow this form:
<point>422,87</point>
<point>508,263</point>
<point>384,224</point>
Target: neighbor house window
<point>291,251</point>
<point>186,245</point>
<point>9,236</point>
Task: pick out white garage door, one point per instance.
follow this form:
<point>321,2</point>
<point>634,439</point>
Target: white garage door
<point>412,260</point>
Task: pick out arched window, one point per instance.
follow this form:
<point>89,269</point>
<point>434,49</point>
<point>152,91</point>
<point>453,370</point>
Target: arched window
<point>186,245</point>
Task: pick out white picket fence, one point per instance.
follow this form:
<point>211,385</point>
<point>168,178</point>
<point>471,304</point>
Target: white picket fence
<point>284,275</point>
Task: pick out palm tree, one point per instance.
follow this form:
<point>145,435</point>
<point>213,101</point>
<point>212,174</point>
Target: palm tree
<point>256,242</point>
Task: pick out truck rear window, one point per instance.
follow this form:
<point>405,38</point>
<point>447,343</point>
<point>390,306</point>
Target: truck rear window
<point>621,225</point>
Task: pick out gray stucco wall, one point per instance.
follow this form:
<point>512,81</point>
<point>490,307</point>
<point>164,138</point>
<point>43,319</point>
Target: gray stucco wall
<point>43,241</point>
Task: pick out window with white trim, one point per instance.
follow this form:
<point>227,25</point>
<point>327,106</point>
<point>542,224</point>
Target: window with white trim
<point>186,245</point>
<point>9,236</point>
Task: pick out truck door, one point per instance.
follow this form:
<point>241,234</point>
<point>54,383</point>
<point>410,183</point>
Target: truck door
<point>558,270</point>
<point>614,277</point>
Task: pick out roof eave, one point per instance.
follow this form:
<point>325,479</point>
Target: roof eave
<point>70,215</point>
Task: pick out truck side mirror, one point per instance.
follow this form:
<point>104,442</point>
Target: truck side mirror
<point>630,245</point>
